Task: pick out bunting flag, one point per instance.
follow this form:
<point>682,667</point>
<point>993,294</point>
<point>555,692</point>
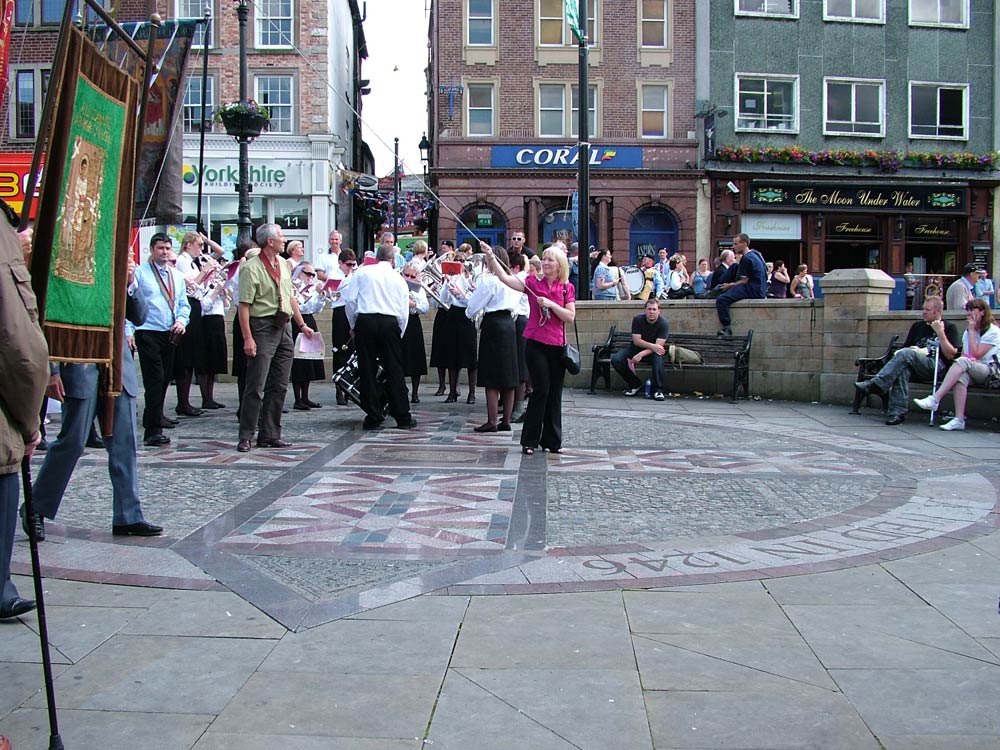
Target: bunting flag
<point>573,18</point>
<point>158,180</point>
<point>81,237</point>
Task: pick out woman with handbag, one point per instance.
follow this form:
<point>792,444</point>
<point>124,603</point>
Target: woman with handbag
<point>551,304</point>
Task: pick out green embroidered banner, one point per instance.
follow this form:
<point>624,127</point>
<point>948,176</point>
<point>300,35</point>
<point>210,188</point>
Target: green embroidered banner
<point>80,290</point>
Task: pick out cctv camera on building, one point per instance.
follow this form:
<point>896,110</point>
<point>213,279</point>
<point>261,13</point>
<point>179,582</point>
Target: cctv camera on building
<point>732,187</point>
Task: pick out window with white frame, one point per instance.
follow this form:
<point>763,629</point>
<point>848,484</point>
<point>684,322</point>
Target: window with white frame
<point>868,11</point>
<point>194,9</point>
<point>654,110</point>
<point>939,13</point>
<point>275,93</point>
<point>28,94</point>
<point>274,23</point>
<point>555,120</point>
<point>480,19</point>
<point>480,109</point>
<point>654,23</point>
<point>938,110</point>
<point>193,98</point>
<point>45,12</point>
<point>553,28</point>
<point>766,102</point>
<point>854,107</point>
<point>768,7</point>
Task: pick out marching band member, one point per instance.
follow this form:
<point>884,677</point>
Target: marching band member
<point>189,352</point>
<point>414,353</point>
<point>377,306</point>
<point>419,258</point>
<point>497,345</point>
<point>518,267</point>
<point>311,301</point>
<point>341,339</point>
<point>459,332</point>
<point>438,360</point>
<point>211,355</point>
<point>293,254</point>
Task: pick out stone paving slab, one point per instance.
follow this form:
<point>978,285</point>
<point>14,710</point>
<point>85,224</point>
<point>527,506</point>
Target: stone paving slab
<point>108,730</point>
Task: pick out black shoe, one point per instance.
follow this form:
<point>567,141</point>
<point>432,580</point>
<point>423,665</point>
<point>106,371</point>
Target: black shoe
<point>169,423</point>
<point>439,391</point>
<point>243,446</point>
<point>312,404</point>
<point>37,522</point>
<point>504,427</point>
<point>406,424</point>
<point>299,406</point>
<point>212,405</point>
<point>137,529</point>
<point>487,427</point>
<point>341,399</point>
<point>414,399</point>
<point>864,386</point>
<point>16,607</point>
<point>95,442</point>
<point>276,443</point>
<point>470,400</point>
<point>155,441</point>
<point>451,399</point>
<point>372,424</point>
<point>895,419</point>
<point>43,445</point>
<point>724,331</point>
<point>188,411</point>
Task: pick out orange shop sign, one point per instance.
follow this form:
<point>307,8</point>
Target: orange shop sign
<point>14,179</point>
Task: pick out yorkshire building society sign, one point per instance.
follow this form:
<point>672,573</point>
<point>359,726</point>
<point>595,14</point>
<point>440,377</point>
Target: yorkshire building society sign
<point>856,197</point>
<point>565,157</point>
<point>223,175</point>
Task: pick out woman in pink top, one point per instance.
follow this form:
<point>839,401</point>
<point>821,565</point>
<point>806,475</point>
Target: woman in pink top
<point>551,305</point>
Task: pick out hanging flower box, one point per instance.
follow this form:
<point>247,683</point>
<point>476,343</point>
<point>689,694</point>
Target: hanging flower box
<point>244,119</point>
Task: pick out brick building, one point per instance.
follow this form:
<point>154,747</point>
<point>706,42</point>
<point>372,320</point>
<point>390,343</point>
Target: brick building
<point>304,62</point>
<point>503,102</point>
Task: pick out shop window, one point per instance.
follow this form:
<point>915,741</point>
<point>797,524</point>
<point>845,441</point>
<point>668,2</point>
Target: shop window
<point>480,109</point>
<point>862,11</point>
<point>952,13</point>
<point>29,89</point>
<point>554,120</point>
<point>275,92</point>
<point>767,102</point>
<point>654,116</point>
<point>854,107</point>
<point>480,23</point>
<point>273,24</point>
<point>193,98</point>
<point>783,8</point>
<point>938,111</point>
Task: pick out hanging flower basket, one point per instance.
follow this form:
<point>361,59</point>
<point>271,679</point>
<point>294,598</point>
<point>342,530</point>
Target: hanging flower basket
<point>244,119</point>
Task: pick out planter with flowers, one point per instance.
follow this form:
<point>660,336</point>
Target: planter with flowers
<point>244,119</point>
<point>883,161</point>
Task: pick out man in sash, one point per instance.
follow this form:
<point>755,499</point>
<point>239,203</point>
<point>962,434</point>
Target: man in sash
<point>266,305</point>
<point>163,288</point>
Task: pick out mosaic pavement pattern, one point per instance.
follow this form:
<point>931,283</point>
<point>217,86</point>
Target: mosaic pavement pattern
<point>347,519</point>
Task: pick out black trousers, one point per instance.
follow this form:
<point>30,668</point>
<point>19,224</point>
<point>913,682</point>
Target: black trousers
<point>543,417</point>
<point>156,360</point>
<point>377,340</point>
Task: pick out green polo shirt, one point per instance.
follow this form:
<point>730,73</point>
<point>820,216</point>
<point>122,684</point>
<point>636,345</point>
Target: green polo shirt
<point>258,289</point>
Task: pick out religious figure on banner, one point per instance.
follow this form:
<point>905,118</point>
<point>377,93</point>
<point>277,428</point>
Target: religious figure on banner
<point>79,214</point>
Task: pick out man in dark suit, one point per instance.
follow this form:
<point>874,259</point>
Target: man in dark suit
<point>77,387</point>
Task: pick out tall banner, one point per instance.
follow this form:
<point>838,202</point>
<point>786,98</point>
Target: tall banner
<point>6,24</point>
<point>80,253</point>
<point>159,184</point>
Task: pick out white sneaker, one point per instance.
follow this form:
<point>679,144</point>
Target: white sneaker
<point>633,391</point>
<point>927,404</point>
<point>954,424</point>
<point>658,396</point>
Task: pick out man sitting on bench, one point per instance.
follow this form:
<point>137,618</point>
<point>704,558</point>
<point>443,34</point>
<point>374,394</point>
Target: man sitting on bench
<point>915,359</point>
<point>649,338</point>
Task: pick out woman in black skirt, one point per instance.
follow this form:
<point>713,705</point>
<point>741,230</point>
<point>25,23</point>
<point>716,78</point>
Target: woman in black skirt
<point>414,353</point>
<point>310,301</point>
<point>459,333</point>
<point>438,360</point>
<point>497,346</point>
<point>211,356</point>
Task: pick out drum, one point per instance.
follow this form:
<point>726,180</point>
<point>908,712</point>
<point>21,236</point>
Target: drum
<point>348,379</point>
<point>635,280</point>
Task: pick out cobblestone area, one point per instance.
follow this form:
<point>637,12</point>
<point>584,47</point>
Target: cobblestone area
<point>637,508</point>
<point>636,430</point>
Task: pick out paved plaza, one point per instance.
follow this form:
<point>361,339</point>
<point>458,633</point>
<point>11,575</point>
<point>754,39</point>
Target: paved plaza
<point>688,575</point>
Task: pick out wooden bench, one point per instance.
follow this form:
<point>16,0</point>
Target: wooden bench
<point>718,352</point>
<point>868,368</point>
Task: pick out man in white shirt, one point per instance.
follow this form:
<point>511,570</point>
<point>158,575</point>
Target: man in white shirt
<point>377,302</point>
<point>326,263</point>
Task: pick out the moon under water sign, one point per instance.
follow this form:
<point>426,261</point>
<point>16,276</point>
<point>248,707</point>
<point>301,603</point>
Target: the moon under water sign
<point>80,214</point>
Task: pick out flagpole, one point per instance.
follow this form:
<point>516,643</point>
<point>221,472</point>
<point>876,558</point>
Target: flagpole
<point>583,148</point>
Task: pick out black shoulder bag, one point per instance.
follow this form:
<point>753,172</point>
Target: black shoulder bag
<point>571,354</point>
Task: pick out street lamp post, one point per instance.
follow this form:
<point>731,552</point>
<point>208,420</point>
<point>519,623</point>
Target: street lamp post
<point>395,195</point>
<point>429,214</point>
<point>243,223</point>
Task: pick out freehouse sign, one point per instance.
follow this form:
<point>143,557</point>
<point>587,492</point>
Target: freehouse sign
<point>856,197</point>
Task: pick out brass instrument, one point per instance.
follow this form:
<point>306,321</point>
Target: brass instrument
<point>432,280</point>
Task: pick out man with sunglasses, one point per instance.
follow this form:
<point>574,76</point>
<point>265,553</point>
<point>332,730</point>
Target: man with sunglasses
<point>517,245</point>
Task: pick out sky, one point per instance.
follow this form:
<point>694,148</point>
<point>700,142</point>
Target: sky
<point>396,32</point>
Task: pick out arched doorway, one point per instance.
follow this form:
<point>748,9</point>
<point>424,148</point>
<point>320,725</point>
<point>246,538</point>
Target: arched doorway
<point>486,223</point>
<point>652,227</point>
